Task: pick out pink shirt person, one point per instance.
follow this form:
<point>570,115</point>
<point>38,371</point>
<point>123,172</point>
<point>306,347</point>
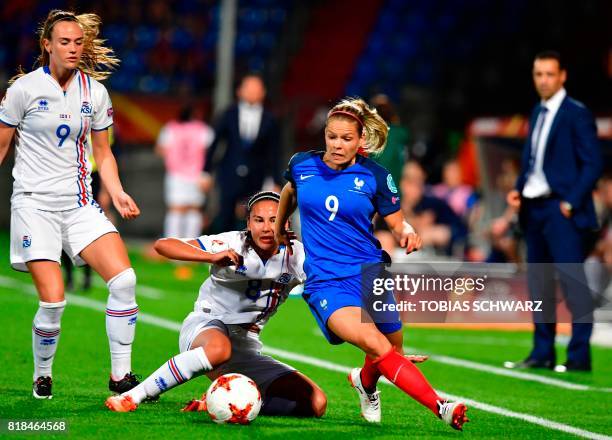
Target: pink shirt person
<point>184,145</point>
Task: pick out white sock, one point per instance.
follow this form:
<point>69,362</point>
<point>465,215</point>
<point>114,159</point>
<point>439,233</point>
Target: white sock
<point>193,224</point>
<point>45,336</point>
<point>121,315</point>
<point>173,224</point>
<point>177,370</point>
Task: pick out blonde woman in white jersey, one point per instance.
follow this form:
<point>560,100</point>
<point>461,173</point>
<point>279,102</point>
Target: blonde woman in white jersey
<point>250,277</point>
<point>50,112</point>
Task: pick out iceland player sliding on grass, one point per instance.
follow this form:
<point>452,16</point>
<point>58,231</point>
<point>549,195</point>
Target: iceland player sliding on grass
<point>250,277</point>
<point>338,192</point>
<point>51,113</point>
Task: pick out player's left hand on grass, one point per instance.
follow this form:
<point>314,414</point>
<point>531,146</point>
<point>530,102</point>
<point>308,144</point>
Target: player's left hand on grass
<point>417,358</point>
<point>126,206</point>
<point>411,242</point>
<point>195,405</point>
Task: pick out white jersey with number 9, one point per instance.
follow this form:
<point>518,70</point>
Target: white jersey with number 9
<point>52,169</point>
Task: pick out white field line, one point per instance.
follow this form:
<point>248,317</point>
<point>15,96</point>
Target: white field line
<point>175,326</point>
<point>474,403</point>
<point>514,374</point>
<point>498,371</point>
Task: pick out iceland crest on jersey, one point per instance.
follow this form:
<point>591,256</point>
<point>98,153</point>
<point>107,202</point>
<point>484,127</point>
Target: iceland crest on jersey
<point>27,241</point>
<point>86,108</point>
<point>241,270</point>
<point>284,278</point>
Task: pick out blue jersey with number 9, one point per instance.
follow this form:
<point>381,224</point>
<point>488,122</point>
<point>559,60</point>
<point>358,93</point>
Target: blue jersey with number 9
<point>336,211</point>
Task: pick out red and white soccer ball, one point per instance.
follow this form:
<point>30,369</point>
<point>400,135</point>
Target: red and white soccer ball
<point>233,398</point>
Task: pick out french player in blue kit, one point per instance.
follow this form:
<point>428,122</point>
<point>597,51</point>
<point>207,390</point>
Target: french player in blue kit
<point>338,191</point>
<point>51,113</point>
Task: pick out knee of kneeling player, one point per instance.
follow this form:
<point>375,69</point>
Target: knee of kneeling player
<point>218,352</point>
<point>318,402</point>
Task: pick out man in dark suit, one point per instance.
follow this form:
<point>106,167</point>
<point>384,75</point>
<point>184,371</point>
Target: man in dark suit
<point>560,165</point>
<point>250,136</point>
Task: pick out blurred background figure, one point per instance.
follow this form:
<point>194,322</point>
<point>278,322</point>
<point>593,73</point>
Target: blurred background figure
<point>394,155</point>
<point>439,226</point>
<point>183,144</point>
<point>598,264</point>
<point>502,232</point>
<point>441,229</point>
<point>245,151</point>
<point>460,197</point>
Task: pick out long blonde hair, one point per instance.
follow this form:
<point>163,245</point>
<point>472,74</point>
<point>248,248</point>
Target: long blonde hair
<point>370,122</point>
<point>98,61</point>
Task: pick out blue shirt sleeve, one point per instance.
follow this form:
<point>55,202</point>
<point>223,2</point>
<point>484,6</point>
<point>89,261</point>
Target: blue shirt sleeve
<point>296,159</point>
<point>386,198</point>
<point>288,172</point>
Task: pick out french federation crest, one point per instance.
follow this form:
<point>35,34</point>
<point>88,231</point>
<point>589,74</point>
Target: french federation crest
<point>27,241</point>
<point>391,184</point>
<point>358,183</point>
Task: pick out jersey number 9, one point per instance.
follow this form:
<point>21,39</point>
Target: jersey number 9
<point>62,132</point>
<point>331,204</point>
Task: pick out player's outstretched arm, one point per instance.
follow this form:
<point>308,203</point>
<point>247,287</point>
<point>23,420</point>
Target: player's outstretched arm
<point>176,249</point>
<point>109,174</point>
<point>6,136</point>
<point>403,232</point>
<point>286,207</point>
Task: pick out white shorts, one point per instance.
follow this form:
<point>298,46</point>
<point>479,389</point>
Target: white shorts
<point>41,235</point>
<point>182,192</point>
<point>246,351</point>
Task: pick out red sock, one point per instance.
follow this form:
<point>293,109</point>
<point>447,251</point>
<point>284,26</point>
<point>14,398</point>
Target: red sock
<point>404,375</point>
<point>369,374</point>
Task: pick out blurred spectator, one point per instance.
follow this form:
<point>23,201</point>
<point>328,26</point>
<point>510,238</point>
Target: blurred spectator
<point>598,265</point>
<point>460,197</point>
<point>503,231</point>
<point>436,223</point>
<point>393,156</point>
<point>250,136</point>
<point>183,144</point>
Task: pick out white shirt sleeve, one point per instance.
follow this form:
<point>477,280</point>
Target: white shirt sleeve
<point>218,243</point>
<point>13,105</point>
<point>103,116</point>
<point>300,256</point>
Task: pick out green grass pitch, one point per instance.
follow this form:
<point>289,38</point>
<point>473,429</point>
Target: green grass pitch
<point>82,366</point>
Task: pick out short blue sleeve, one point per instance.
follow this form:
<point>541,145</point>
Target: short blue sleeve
<point>386,198</point>
<point>295,159</point>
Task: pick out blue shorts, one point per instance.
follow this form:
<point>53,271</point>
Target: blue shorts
<point>326,296</point>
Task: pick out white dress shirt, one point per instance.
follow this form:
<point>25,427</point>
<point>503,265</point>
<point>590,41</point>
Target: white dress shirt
<point>537,185</point>
<point>249,120</point>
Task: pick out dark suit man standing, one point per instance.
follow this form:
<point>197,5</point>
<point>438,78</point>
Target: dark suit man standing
<point>560,165</point>
<point>250,135</point>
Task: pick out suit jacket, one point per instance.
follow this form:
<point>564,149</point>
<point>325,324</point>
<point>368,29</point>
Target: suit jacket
<point>261,157</point>
<point>572,159</point>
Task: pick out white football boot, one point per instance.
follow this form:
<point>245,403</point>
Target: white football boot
<point>453,413</point>
<point>370,403</point>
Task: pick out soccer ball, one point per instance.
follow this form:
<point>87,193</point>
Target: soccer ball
<point>233,398</point>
